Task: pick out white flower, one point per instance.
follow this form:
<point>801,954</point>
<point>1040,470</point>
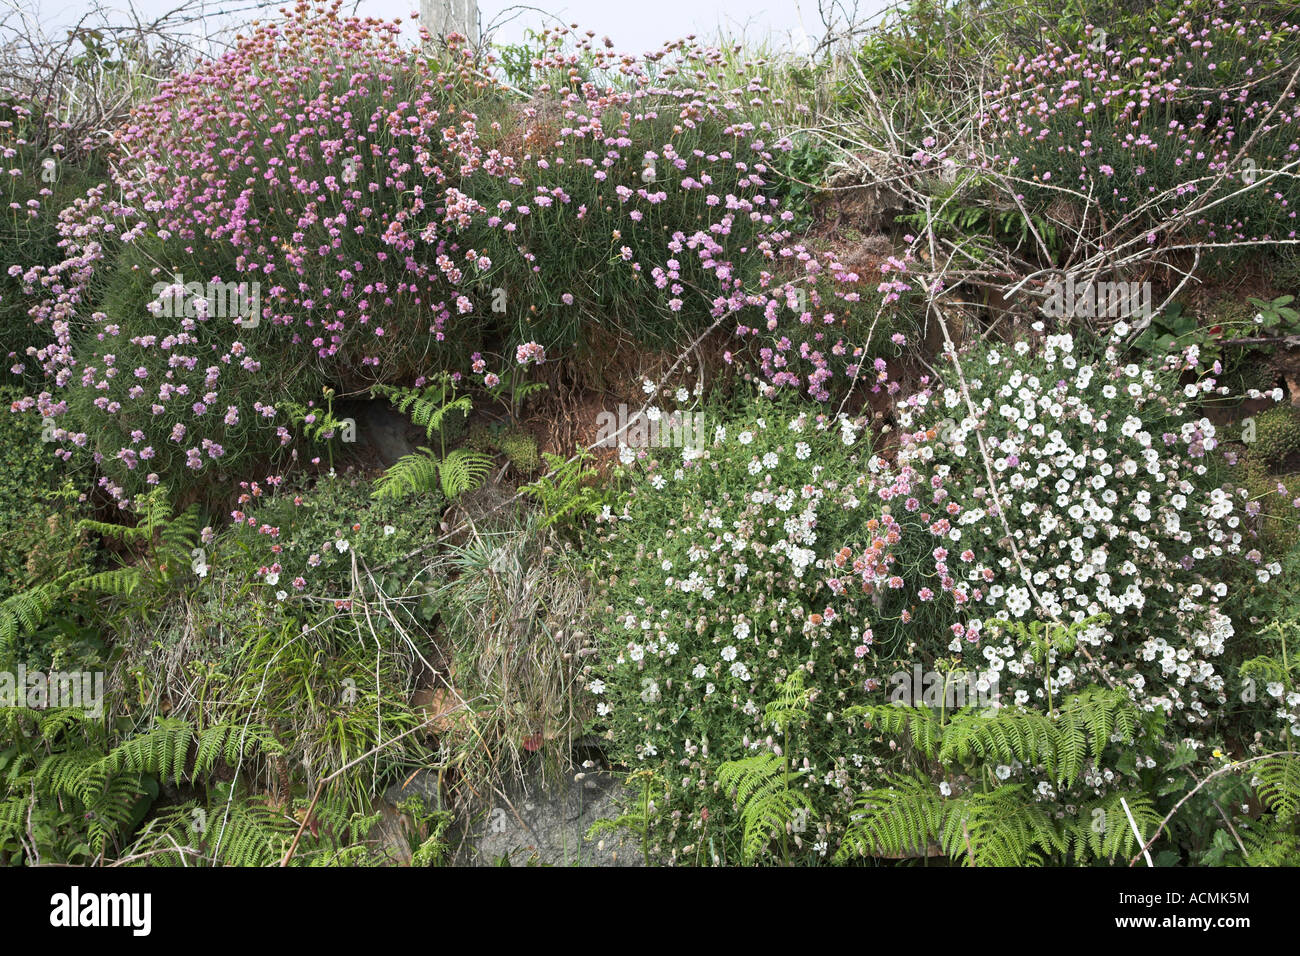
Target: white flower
<point>273,579</point>
<point>729,653</point>
<point>597,686</point>
<point>388,529</point>
<point>745,437</point>
<point>341,545</point>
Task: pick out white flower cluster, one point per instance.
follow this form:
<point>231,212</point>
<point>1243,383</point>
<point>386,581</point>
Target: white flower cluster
<point>1103,488</point>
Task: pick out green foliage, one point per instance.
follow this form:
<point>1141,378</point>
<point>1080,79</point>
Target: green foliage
<point>436,407</point>
<point>766,790</point>
<point>1059,743</point>
<point>28,479</point>
<point>1277,435</point>
<point>166,546</point>
<point>802,170</point>
<point>71,796</point>
<point>1170,328</point>
<point>1269,844</point>
<point>163,546</point>
<point>637,818</point>
<point>174,749</point>
<point>568,490</point>
<point>26,611</point>
<point>1278,784</point>
<point>423,471</point>
<point>1276,315</point>
<point>521,449</point>
<point>1003,825</point>
<point>967,212</point>
<point>771,798</point>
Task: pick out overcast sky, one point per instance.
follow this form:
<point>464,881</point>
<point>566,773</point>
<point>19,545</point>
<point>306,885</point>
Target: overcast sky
<point>633,25</point>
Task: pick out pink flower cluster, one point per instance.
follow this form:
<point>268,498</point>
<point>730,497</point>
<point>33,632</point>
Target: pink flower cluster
<point>1190,130</point>
<point>379,220</point>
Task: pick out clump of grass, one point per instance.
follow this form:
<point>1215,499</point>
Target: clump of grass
<point>513,605</point>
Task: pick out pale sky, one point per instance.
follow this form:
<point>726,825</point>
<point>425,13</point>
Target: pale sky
<point>633,25</point>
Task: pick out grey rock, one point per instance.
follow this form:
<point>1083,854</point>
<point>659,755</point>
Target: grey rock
<point>383,434</point>
<point>548,826</point>
<point>423,785</point>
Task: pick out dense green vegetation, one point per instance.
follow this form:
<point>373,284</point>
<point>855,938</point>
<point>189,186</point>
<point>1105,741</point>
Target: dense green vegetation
<point>949,511</point>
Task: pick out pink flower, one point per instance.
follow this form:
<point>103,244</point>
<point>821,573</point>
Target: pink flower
<point>530,352</point>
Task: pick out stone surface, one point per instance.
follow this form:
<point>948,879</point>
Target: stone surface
<point>548,827</point>
<point>383,434</point>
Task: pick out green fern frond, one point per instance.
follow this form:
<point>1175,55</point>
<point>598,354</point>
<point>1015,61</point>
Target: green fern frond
<point>164,749</point>
<point>768,803</point>
<point>415,473</point>
<point>790,706</point>
<point>421,472</point>
<point>119,582</point>
<point>1101,831</point>
<point>23,613</point>
<point>897,821</point>
<point>430,406</point>
<point>1278,784</point>
<point>1267,843</point>
<point>463,470</point>
<point>920,724</point>
<point>1005,827</point>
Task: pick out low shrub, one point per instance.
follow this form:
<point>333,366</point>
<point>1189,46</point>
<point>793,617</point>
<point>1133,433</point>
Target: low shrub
<point>265,235</point>
<point>1095,550</point>
<point>715,594</point>
<point>28,478</point>
<point>1209,129</point>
